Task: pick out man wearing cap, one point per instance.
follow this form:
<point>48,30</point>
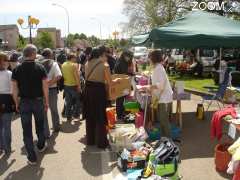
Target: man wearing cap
<point>54,75</point>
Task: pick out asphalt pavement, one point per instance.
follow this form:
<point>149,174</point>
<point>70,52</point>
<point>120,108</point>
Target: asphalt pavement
<point>68,158</point>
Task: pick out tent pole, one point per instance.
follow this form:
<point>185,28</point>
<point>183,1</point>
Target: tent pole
<point>152,45</point>
<point>220,67</point>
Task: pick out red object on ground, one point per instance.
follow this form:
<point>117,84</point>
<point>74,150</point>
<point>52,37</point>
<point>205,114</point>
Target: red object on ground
<point>216,123</point>
<point>139,121</point>
<point>222,157</point>
<point>237,174</point>
<point>111,117</point>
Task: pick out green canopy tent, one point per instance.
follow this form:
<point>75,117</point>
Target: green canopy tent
<point>141,40</point>
<point>198,29</point>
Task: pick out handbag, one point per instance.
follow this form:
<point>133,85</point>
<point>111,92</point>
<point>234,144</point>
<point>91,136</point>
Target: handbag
<point>84,84</point>
<point>163,161</point>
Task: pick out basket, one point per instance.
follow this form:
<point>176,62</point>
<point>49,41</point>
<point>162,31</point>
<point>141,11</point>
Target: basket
<point>222,157</point>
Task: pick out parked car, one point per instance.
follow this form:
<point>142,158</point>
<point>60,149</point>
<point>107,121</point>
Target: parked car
<point>232,57</point>
<point>177,54</point>
<point>207,58</point>
<point>141,54</point>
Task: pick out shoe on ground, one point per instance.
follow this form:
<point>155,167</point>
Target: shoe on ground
<point>42,149</point>
<point>69,119</point>
<point>57,130</point>
<point>7,152</point>
<point>76,116</point>
<point>32,163</point>
<point>64,116</point>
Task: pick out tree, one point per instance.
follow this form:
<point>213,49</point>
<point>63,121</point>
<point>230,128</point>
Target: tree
<point>146,14</point>
<point>94,41</point>
<point>124,43</point>
<point>21,43</point>
<point>83,36</point>
<point>76,36</point>
<point>70,40</point>
<point>112,42</point>
<point>44,40</point>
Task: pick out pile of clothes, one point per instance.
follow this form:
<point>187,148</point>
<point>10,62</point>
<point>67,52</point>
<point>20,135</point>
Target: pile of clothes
<point>125,135</point>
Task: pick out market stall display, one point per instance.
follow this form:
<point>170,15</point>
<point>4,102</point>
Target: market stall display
<point>132,140</point>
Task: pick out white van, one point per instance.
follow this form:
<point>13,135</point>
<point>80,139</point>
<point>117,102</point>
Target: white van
<point>208,58</point>
<point>140,54</point>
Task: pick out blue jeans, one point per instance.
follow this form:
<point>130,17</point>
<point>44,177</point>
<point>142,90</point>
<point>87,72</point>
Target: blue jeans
<point>53,99</point>
<point>5,132</point>
<point>35,107</point>
<point>72,98</point>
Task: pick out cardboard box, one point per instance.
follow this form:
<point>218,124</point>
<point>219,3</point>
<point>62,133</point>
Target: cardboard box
<point>122,88</point>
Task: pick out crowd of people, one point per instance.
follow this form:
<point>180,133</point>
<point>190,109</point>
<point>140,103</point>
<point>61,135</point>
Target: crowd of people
<point>30,87</point>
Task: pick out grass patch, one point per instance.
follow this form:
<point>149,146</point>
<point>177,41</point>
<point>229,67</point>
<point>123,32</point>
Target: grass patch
<point>195,83</point>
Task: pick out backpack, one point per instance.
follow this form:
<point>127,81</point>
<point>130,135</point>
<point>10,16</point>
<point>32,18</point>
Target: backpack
<point>163,161</point>
<point>60,83</point>
<point>47,63</point>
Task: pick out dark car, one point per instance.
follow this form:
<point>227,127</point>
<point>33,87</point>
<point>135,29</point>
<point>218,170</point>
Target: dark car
<point>232,57</point>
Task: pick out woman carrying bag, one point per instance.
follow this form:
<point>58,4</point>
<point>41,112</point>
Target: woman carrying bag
<point>162,94</point>
<point>97,75</point>
<point>7,106</point>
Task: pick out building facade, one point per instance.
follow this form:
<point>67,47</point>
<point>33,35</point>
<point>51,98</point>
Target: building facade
<point>9,35</point>
<point>55,35</point>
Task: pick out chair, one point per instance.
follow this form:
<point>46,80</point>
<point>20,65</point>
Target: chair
<point>220,92</point>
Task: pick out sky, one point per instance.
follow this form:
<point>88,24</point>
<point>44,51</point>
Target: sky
<point>86,16</point>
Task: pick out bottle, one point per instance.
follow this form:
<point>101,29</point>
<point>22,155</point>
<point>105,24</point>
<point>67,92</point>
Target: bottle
<point>200,112</point>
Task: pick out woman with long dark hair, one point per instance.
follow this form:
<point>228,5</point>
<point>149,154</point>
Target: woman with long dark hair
<point>97,74</point>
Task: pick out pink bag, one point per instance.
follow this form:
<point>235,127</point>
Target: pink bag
<point>143,81</point>
<point>139,122</point>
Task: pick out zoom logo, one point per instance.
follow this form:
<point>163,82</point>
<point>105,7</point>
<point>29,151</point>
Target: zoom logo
<point>211,6</point>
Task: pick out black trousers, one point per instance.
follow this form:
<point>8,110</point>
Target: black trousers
<point>120,107</point>
<point>95,101</point>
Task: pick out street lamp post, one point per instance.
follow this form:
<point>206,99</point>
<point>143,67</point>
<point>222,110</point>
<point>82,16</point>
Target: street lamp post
<point>67,13</point>
<point>115,34</point>
<point>32,24</point>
